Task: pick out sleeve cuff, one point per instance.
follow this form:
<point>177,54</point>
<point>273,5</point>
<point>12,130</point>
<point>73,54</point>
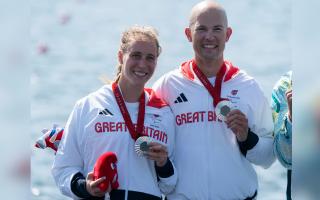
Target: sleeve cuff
<point>78,187</point>
<point>166,170</point>
<point>249,143</point>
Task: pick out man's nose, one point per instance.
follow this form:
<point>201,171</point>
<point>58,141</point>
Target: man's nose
<point>210,35</point>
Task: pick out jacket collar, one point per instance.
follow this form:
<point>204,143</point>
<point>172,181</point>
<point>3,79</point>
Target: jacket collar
<point>187,72</point>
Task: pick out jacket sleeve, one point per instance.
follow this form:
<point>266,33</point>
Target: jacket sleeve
<point>68,160</point>
<point>167,184</point>
<point>260,124</point>
<point>168,176</point>
<point>282,124</point>
<point>159,87</point>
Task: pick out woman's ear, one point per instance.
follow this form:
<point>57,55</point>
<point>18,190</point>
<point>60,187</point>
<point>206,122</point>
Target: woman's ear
<point>120,57</point>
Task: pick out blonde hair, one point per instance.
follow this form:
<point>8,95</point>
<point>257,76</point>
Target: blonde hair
<point>137,33</point>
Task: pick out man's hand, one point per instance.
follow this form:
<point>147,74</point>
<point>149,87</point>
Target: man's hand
<point>92,186</point>
<point>289,102</point>
<point>158,153</point>
<point>238,123</point>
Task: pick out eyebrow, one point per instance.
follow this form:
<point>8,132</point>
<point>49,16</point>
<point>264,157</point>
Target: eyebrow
<point>215,26</point>
<point>218,26</point>
<point>140,53</point>
<point>135,52</point>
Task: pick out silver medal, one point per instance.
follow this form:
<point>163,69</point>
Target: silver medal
<point>141,145</point>
<point>222,109</point>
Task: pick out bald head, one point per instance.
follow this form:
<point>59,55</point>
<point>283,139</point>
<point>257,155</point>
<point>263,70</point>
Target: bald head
<point>207,6</point>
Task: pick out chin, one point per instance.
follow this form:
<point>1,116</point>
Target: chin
<point>141,81</point>
<point>209,57</point>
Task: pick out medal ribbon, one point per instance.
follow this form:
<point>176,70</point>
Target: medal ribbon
<point>215,91</point>
<point>134,132</point>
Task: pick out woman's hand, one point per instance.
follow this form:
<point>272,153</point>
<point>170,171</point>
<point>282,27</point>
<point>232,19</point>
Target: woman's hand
<point>92,186</point>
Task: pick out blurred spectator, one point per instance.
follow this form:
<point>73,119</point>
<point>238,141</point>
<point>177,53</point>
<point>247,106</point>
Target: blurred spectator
<point>281,103</point>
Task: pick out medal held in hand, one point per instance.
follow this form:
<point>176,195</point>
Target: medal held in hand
<point>142,145</point>
<point>222,109</point>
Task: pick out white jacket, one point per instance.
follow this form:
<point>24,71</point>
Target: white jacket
<point>207,154</point>
<point>96,126</point>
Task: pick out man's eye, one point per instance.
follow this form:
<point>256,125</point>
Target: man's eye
<point>135,56</point>
<point>200,29</point>
<point>217,29</point>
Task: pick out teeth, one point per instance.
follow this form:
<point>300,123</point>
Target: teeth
<point>140,73</point>
<point>209,46</point>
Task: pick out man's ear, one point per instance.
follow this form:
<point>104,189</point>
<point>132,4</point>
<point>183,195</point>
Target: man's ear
<point>120,57</point>
<point>187,31</point>
<point>229,32</point>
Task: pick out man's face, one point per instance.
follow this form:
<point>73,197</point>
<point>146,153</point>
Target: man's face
<point>208,34</point>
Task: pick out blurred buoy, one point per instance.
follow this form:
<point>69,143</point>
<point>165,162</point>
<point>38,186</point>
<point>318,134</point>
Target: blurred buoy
<point>64,18</point>
<point>42,48</point>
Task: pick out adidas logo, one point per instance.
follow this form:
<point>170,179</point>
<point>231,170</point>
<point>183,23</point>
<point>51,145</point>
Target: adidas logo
<point>105,112</point>
<point>181,98</point>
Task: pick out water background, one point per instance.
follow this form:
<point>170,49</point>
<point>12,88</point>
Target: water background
<point>82,38</point>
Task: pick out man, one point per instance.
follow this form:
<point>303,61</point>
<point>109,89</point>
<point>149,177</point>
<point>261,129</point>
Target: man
<point>214,148</point>
<point>281,103</point>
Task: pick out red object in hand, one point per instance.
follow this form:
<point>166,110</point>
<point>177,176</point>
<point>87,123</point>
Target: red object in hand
<point>106,165</point>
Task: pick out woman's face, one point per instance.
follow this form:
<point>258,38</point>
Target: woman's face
<point>138,62</point>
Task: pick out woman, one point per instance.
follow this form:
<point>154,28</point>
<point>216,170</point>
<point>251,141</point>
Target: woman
<point>103,122</point>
